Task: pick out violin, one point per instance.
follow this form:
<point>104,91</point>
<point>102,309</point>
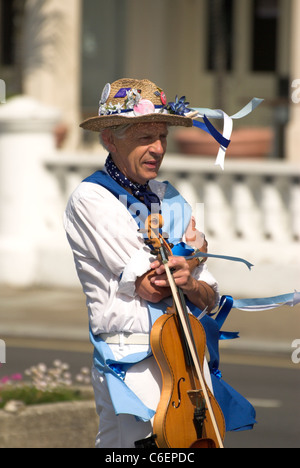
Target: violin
<point>188,415</point>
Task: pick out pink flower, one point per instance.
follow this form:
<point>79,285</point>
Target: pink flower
<point>11,378</point>
<point>16,377</point>
<point>144,107</point>
<point>4,380</point>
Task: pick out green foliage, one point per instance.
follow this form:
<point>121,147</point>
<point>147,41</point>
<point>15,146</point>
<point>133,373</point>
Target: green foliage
<point>31,395</point>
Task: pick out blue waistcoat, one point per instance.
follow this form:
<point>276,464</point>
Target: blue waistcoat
<point>238,412</point>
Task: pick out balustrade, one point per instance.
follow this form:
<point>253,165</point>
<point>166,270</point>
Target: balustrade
<point>252,209</point>
<point>248,201</point>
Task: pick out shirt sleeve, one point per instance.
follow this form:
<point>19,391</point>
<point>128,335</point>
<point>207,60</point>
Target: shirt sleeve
<point>201,273</point>
<point>100,228</point>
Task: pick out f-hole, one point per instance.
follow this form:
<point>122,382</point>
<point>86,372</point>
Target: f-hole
<point>179,394</point>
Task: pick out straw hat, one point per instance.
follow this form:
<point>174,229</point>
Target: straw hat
<point>136,101</point>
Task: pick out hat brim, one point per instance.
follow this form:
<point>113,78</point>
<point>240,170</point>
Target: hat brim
<point>96,124</point>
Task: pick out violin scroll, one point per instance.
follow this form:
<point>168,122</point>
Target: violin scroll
<point>155,238</point>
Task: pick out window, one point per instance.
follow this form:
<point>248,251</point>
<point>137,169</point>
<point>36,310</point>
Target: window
<point>6,32</point>
<point>103,47</point>
<point>265,28</point>
<point>220,34</point>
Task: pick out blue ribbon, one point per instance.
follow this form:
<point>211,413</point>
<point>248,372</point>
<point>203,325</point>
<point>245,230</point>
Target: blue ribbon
<point>215,134</point>
<point>217,373</point>
<point>183,250</point>
<point>226,304</point>
<point>208,127</point>
<point>267,303</point>
<point>126,111</point>
<point>216,114</point>
<point>225,308</point>
<point>222,257</point>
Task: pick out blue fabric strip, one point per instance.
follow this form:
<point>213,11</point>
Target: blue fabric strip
<point>215,134</point>
<point>225,308</point>
<point>211,130</point>
<point>183,250</point>
<point>222,257</point>
<point>201,125</point>
<point>250,107</point>
<point>115,371</point>
<point>126,111</point>
<point>226,304</point>
<point>257,304</point>
<point>216,114</point>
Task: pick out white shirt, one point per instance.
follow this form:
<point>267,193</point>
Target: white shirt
<point>110,254</point>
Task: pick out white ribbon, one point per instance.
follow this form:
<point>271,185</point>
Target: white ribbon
<point>228,123</point>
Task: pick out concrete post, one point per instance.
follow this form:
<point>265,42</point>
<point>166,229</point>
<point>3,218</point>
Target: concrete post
<point>26,135</point>
<point>52,60</point>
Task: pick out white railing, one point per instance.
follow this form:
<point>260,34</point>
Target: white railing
<point>252,209</point>
<point>249,200</point>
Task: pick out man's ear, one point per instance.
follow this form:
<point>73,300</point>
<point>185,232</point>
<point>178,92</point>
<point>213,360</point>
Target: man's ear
<point>108,140</point>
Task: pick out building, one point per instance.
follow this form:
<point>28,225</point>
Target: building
<point>63,52</point>
<point>220,53</point>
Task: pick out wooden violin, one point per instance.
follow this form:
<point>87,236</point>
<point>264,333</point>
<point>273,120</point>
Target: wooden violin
<point>188,415</point>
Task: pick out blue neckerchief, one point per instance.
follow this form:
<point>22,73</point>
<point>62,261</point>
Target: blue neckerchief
<point>141,192</point>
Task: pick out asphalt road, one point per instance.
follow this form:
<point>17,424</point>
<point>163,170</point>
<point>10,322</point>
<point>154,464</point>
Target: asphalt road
<point>271,383</point>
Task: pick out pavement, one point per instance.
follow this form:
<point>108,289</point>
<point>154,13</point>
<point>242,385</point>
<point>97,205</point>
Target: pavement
<point>40,313</point>
<point>44,313</point>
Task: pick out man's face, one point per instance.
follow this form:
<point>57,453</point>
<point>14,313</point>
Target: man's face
<point>139,153</point>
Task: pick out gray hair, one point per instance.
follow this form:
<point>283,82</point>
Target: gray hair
<point>117,132</point>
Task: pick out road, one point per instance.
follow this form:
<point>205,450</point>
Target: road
<point>271,383</point>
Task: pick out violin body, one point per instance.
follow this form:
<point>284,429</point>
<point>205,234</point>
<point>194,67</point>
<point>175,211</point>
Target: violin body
<point>181,420</point>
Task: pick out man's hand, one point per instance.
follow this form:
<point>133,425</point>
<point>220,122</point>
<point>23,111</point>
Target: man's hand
<point>154,285</point>
<point>195,238</point>
<point>181,272</point>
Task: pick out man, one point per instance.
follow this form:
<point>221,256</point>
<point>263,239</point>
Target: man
<point>125,284</point>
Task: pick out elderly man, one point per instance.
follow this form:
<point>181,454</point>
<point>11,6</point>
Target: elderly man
<point>126,287</point>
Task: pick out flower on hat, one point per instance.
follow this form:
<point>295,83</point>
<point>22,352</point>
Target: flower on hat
<point>179,107</point>
<point>133,98</point>
<point>107,109</point>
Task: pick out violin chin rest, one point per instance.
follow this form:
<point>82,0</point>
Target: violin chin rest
<point>203,444</point>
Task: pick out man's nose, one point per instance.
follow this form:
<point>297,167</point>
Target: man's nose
<point>157,147</point>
